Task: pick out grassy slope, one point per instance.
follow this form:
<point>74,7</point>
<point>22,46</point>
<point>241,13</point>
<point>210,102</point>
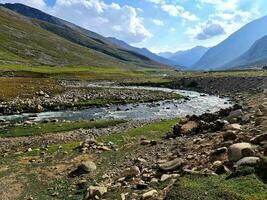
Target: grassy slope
<point>40,129</point>
<point>23,41</point>
<point>218,188</point>
<point>80,36</point>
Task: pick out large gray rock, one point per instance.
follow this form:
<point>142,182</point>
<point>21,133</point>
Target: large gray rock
<point>236,114</point>
<point>239,150</point>
<point>248,161</point>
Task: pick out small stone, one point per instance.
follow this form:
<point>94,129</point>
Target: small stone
<point>145,142</point>
<point>104,148</point>
<point>29,149</point>
<point>248,161</point>
<point>87,166</point>
<point>150,194</point>
<point>54,194</point>
<point>233,127</point>
<point>154,180</point>
<point>166,177</point>
<point>141,160</point>
<point>131,172</point>
<point>94,191</point>
<point>171,165</point>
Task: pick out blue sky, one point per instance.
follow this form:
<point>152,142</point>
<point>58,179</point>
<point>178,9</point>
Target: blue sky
<point>159,25</point>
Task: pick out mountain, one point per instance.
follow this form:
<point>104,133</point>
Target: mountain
<point>234,46</point>
<point>187,58</point>
<point>255,57</point>
<point>166,54</point>
<point>142,51</point>
<point>43,39</point>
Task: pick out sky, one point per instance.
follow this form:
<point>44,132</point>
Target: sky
<point>159,25</point>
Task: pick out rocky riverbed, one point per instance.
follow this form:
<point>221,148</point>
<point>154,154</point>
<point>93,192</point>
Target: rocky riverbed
<point>74,98</point>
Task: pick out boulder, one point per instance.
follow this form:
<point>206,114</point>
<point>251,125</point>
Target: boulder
<point>150,194</point>
<point>232,127</point>
<point>171,165</point>
<point>248,161</point>
<point>238,151</point>
<point>189,127</point>
<point>229,135</point>
<point>236,114</point>
<point>87,166</point>
<point>259,138</point>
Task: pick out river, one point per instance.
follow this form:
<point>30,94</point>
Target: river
<point>197,104</point>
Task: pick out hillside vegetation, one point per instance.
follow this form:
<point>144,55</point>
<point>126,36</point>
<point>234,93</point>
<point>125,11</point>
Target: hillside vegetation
<point>26,41</point>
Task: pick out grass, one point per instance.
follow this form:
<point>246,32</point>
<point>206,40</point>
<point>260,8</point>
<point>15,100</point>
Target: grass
<point>27,41</point>
<point>41,129</point>
<point>218,188</point>
<point>26,87</point>
<point>151,131</point>
<point>88,72</point>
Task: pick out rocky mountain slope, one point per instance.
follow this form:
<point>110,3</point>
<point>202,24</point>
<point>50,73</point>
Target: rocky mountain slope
<point>46,40</point>
<point>142,51</point>
<point>234,46</point>
<point>255,57</point>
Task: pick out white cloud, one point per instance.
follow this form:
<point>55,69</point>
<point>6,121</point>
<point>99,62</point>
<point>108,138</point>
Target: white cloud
<point>112,19</point>
<point>33,3</point>
<point>158,22</point>
<point>210,30</point>
<point>176,10</point>
<point>228,17</point>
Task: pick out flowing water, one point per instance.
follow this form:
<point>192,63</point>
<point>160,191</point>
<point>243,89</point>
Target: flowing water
<point>197,104</point>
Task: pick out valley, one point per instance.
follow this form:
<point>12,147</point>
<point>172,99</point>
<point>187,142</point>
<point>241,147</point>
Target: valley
<point>43,159</point>
<point>89,116</point>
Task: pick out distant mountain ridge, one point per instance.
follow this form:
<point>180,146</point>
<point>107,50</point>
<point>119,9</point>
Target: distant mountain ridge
<point>255,57</point>
<point>234,46</point>
<point>82,37</point>
<point>186,58</point>
<point>142,51</point>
